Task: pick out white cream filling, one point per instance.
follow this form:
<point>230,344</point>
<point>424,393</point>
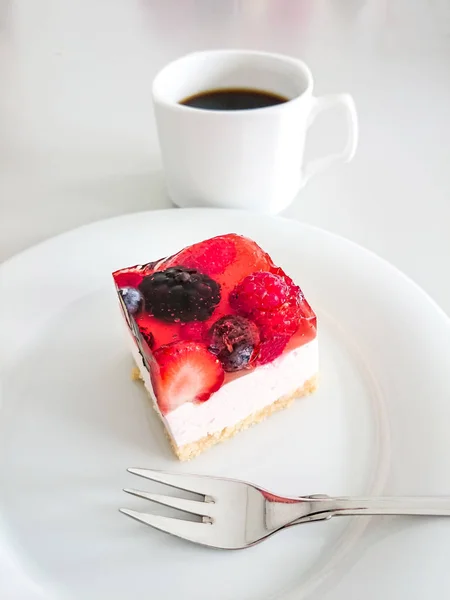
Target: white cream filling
<point>238,399</point>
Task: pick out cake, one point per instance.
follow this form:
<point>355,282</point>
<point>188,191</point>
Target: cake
<point>221,338</point>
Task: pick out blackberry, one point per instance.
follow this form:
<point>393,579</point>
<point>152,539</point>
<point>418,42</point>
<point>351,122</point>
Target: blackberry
<point>235,342</point>
<point>180,294</point>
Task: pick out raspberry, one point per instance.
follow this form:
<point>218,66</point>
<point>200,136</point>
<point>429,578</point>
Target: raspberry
<point>235,342</point>
<point>195,331</point>
<point>211,257</point>
<point>279,271</point>
<point>271,300</point>
<point>283,321</point>
<point>274,303</point>
<point>259,292</point>
<point>272,348</point>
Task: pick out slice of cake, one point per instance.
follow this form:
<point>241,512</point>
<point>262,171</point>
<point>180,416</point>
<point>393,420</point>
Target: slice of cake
<point>221,337</point>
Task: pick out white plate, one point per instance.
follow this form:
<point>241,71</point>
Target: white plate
<point>72,421</point>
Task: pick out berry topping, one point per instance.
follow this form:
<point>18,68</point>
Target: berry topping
<point>180,294</point>
<point>259,292</point>
<point>128,278</point>
<point>235,342</point>
<point>271,300</point>
<point>132,299</point>
<point>283,321</point>
<point>195,331</point>
<point>272,348</point>
<point>275,304</point>
<point>211,256</point>
<point>187,372</point>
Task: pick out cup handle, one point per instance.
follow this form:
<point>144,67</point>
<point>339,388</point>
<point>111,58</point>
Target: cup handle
<point>324,103</point>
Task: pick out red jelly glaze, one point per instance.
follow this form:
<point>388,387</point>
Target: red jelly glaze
<point>228,259</point>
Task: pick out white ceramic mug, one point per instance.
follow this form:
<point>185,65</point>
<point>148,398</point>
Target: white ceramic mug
<point>247,159</point>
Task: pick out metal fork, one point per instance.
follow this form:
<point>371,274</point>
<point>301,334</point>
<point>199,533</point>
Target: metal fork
<point>234,514</point>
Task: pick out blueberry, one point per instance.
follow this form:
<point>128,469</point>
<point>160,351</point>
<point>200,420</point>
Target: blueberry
<point>235,342</point>
<point>132,298</point>
<point>239,358</point>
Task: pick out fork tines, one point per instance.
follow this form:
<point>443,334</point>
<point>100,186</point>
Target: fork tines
<point>189,483</point>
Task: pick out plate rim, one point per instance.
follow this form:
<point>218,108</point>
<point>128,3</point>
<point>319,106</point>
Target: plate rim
<point>42,585</point>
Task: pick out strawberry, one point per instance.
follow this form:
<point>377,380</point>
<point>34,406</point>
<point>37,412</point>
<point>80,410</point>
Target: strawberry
<point>271,348</point>
<point>185,372</point>
<point>212,256</point>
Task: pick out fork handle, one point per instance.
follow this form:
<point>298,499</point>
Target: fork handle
<point>395,505</point>
<point>294,511</point>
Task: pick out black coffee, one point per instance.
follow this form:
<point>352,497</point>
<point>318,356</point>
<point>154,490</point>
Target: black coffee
<point>233,99</point>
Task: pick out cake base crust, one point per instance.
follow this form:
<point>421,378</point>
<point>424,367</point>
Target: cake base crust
<point>193,449</point>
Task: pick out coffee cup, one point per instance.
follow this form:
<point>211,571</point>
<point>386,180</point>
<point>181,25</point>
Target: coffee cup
<point>232,126</point>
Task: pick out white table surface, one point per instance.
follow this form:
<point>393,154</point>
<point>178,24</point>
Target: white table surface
<point>78,143</point>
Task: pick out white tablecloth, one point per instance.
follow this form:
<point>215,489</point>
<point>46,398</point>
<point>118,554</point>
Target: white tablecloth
<point>77,138</point>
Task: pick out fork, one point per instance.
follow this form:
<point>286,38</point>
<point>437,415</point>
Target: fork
<point>235,514</point>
